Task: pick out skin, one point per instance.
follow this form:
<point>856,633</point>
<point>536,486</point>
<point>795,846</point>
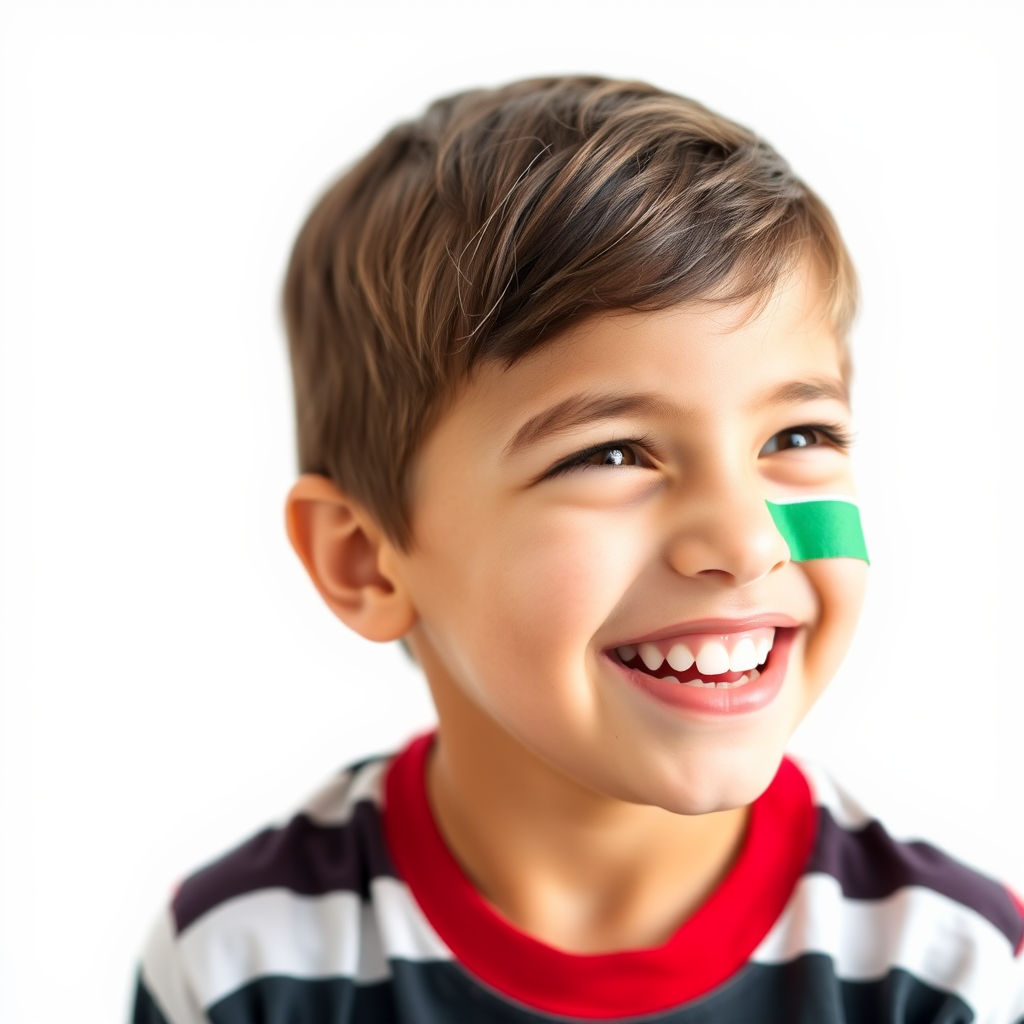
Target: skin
<point>589,814</point>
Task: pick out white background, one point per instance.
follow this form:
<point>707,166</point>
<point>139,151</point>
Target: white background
<point>169,678</point>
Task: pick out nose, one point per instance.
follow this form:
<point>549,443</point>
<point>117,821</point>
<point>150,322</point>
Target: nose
<point>727,533</point>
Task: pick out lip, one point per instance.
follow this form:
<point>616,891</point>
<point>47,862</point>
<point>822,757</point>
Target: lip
<point>742,700</point>
<point>776,619</point>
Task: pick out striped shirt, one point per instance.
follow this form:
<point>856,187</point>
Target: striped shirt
<point>355,911</point>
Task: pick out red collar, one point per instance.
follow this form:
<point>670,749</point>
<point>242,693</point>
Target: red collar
<point>708,948</point>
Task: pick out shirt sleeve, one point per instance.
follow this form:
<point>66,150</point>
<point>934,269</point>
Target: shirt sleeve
<point>1015,1013</point>
<point>162,993</point>
<point>1014,1009</point>
<point>1011,1007</point>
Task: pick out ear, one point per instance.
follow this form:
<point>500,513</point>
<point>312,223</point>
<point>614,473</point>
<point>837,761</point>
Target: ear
<point>349,559</point>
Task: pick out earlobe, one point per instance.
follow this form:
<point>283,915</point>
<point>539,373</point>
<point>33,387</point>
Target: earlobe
<point>348,558</point>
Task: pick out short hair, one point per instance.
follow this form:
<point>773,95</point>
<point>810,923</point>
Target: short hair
<point>502,217</point>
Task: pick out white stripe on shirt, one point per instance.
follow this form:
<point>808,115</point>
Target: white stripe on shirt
<point>943,943</point>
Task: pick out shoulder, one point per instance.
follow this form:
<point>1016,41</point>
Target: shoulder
<point>869,864</point>
<point>333,843</point>
<point>288,902</point>
<point>894,912</point>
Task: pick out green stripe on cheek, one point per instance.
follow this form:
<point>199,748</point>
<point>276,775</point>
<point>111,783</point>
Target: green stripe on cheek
<point>820,528</point>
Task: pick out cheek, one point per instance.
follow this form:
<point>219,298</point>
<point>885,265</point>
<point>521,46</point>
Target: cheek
<point>840,584</point>
<point>568,574</point>
<point>525,598</point>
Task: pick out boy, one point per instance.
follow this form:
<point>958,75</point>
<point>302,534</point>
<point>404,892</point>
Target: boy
<point>571,383</point>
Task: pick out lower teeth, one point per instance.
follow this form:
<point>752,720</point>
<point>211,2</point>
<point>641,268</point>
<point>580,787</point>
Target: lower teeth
<point>711,685</point>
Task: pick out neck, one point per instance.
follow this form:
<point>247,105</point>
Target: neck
<point>574,868</point>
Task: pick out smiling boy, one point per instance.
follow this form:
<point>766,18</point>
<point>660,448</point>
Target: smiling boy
<point>556,347</point>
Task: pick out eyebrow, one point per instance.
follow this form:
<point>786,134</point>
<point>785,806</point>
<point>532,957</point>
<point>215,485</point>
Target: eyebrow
<point>578,410</point>
<point>813,390</point>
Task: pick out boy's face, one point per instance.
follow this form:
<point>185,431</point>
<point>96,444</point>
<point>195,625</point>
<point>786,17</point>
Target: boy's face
<point>600,506</point>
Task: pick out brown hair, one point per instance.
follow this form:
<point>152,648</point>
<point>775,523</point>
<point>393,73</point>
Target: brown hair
<point>500,218</point>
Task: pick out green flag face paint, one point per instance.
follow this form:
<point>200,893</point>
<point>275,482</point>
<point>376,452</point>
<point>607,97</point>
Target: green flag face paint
<point>822,526</point>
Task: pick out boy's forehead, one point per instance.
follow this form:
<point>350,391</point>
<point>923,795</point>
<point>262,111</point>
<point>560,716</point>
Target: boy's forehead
<point>667,363</point>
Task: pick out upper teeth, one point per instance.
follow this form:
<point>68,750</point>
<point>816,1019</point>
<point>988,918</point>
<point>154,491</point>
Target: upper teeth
<point>744,656</point>
<point>713,655</point>
<point>651,656</point>
<point>713,659</point>
<point>680,658</point>
<point>764,645</point>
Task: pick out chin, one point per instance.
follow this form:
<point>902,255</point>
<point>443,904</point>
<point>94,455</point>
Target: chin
<point>718,781</point>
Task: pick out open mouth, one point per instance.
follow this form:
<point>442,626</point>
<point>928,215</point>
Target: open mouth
<point>709,661</point>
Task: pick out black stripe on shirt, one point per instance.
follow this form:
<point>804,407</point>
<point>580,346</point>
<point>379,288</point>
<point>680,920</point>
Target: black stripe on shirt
<point>279,1000</point>
<point>870,865</point>
<point>307,858</point>
<point>803,991</point>
<point>145,1010</point>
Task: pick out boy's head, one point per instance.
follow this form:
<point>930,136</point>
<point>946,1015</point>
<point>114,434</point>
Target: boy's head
<point>553,346</point>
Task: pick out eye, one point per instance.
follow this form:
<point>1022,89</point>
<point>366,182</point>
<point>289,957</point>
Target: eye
<point>805,437</point>
<point>613,454</point>
<point>800,437</point>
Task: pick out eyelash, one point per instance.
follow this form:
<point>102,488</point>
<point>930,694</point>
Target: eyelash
<point>639,446</point>
<point>836,434</point>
